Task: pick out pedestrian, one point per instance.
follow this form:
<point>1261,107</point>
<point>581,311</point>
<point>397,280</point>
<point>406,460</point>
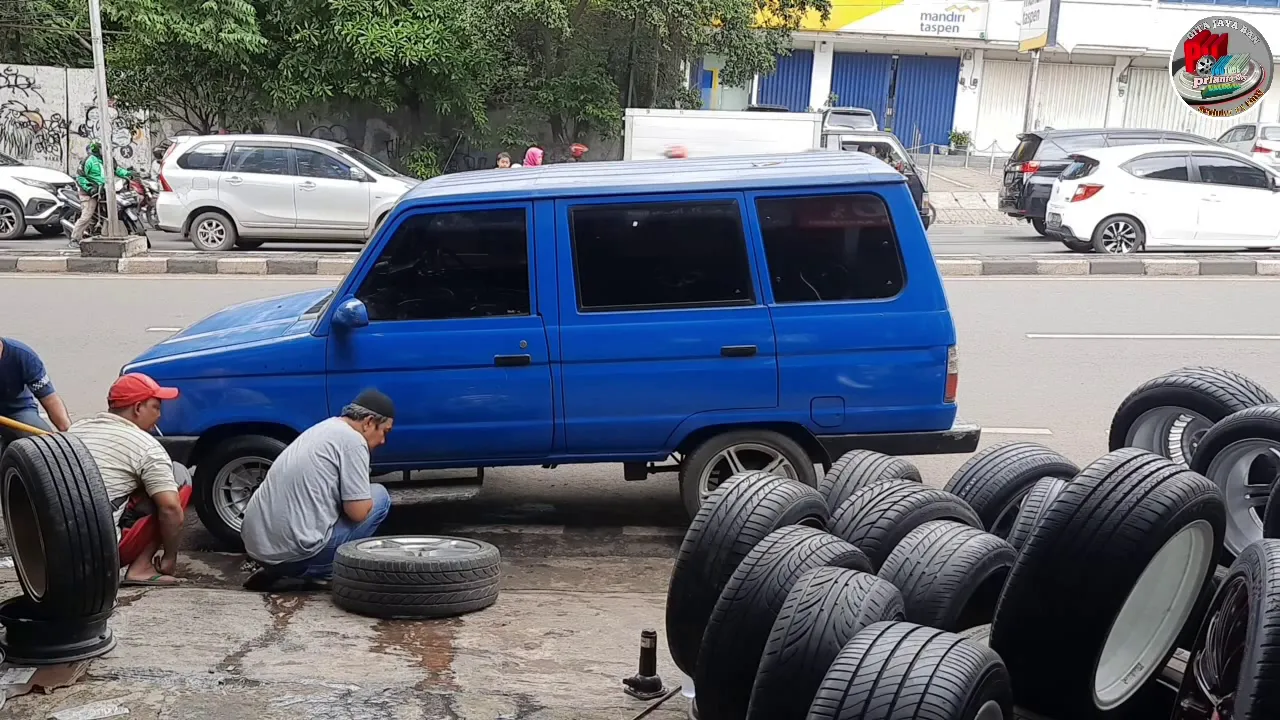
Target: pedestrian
<point>504,160</point>
<point>90,178</point>
<point>25,386</point>
<point>317,496</point>
<point>533,156</point>
<point>576,151</point>
<point>148,491</point>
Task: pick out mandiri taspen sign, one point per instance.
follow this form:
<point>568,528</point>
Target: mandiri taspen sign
<point>1038,27</point>
<point>898,17</point>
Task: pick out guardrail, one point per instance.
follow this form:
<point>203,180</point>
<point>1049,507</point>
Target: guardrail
<point>993,157</point>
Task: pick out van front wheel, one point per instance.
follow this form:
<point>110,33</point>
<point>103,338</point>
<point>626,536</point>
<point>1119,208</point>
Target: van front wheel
<point>727,454</point>
<point>226,478</point>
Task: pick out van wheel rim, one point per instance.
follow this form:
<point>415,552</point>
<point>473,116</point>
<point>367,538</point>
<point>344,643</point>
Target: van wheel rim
<point>1119,237</point>
<point>1172,432</point>
<point>1216,669</point>
<point>211,234</point>
<point>1245,471</point>
<point>234,485</point>
<point>743,457</point>
<point>1153,614</point>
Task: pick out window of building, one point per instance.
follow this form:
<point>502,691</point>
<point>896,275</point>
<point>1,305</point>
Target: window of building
<point>468,264</point>
<point>649,256</point>
<point>205,156</point>
<point>830,247</point>
<point>1160,167</point>
<point>259,160</point>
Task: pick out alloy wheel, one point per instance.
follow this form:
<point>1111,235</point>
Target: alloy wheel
<point>234,484</point>
<point>1172,432</point>
<point>211,234</point>
<point>743,457</point>
<point>1245,471</point>
<point>1119,237</point>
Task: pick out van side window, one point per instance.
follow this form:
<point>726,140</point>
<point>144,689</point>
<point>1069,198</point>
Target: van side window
<point>452,265</point>
<point>647,256</point>
<point>830,247</point>
<point>205,156</point>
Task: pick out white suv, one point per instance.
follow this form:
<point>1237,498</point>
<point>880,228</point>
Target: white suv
<point>224,191</point>
<point>29,198</point>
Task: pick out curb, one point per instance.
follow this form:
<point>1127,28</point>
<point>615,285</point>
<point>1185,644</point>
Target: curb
<point>282,264</point>
<point>1058,266</point>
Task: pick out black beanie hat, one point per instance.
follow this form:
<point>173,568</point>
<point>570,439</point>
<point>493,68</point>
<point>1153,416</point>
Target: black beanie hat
<point>376,402</point>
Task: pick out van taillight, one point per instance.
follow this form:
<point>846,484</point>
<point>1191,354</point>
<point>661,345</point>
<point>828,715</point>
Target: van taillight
<point>164,184</point>
<point>953,375</point>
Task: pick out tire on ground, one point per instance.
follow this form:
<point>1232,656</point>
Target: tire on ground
<point>692,466</point>
<point>996,479</point>
<point>1124,518</point>
<point>950,574</point>
<point>61,528</point>
<point>1253,581</point>
<point>824,610</point>
<point>875,519</point>
<point>1187,637</point>
<point>857,469</point>
<point>407,586</point>
<point>1213,393</point>
<point>735,516</point>
<point>744,614</point>
<point>207,469</point>
<point>1033,508</point>
<point>901,668</point>
<point>1244,522</point>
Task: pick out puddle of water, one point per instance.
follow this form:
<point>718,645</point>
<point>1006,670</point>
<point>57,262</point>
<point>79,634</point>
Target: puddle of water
<point>428,642</point>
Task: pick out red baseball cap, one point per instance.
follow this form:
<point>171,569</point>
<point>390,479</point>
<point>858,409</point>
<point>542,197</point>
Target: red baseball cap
<point>137,388</point>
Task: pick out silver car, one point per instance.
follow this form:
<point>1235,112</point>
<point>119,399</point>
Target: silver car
<point>225,191</point>
<point>1259,140</point>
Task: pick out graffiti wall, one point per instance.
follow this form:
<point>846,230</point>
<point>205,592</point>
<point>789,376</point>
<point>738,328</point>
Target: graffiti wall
<point>49,114</point>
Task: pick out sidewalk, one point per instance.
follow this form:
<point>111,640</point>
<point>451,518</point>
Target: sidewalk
<point>563,634</point>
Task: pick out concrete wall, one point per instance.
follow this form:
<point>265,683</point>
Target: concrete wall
<point>49,114</point>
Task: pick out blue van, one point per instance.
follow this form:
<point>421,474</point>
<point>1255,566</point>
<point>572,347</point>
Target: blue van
<point>767,312</point>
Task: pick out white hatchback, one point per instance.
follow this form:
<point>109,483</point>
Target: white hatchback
<point>1144,197</point>
<point>225,191</point>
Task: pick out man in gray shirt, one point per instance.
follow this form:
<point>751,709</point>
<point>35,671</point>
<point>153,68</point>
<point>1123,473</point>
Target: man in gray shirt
<point>317,496</point>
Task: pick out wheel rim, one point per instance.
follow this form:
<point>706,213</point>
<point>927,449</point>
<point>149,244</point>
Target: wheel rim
<point>8,220</point>
<point>234,485</point>
<point>990,710</point>
<point>743,457</point>
<point>1148,623</point>
<point>423,546</point>
<point>25,539</point>
<point>1245,471</point>
<point>1119,237</point>
<point>1171,432</point>
<point>1216,669</point>
<point>211,233</point>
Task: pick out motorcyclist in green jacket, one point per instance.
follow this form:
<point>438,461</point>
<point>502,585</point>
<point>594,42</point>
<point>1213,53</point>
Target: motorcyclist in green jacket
<point>91,178</point>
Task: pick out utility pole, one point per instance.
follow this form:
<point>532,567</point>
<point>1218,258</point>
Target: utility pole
<point>112,230</point>
<point>1029,117</point>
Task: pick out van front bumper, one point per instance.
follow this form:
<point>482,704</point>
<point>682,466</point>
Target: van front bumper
<point>961,438</point>
<point>179,447</point>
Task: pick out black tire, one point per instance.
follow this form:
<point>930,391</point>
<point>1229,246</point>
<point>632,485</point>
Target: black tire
<point>243,244</point>
<point>1256,423</point>
<point>1039,225</point>
<point>230,235</point>
<point>1033,509</point>
<point>903,670</point>
<point>1187,638</point>
<point>1249,596</point>
<point>60,524</point>
<point>1213,393</point>
<point>824,610</point>
<point>857,469</point>
<point>382,586</point>
<point>739,627</point>
<point>49,230</point>
<point>14,210</point>
<point>1140,235</point>
<point>1074,575</point>
<point>202,482</point>
<point>1080,246</point>
<point>995,480</point>
<point>875,519</point>
<point>736,516</point>
<point>950,574</point>
<point>692,466</point>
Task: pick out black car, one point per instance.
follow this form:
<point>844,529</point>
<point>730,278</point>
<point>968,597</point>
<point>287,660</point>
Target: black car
<point>886,147</point>
<point>1042,155</point>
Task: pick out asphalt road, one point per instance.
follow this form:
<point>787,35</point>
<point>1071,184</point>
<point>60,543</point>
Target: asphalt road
<point>1037,363</point>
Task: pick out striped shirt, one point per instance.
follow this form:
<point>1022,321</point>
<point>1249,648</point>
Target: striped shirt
<point>128,458</point>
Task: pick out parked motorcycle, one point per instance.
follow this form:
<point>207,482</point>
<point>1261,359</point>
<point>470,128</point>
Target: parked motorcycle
<point>147,191</point>
<point>127,201</point>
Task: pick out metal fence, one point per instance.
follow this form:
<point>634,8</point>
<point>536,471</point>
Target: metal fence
<point>990,159</point>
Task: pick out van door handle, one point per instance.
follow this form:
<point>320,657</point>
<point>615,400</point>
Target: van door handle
<point>512,360</point>
<point>235,180</point>
<point>308,185</point>
<point>738,350</point>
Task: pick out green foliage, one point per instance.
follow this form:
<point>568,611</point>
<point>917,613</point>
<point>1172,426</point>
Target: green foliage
<point>58,44</point>
<point>960,138</point>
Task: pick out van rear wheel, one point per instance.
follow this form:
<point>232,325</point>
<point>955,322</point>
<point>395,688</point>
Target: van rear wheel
<point>720,457</point>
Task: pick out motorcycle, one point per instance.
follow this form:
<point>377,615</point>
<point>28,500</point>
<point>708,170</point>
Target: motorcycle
<point>127,203</point>
<point>147,190</point>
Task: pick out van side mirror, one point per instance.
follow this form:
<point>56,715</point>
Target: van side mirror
<point>351,314</point>
<point>359,175</point>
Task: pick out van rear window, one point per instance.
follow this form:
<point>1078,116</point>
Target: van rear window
<point>205,156</point>
<point>828,248</point>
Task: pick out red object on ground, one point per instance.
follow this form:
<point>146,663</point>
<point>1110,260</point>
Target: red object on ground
<point>146,531</point>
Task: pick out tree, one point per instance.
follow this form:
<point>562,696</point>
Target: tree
<point>45,32</point>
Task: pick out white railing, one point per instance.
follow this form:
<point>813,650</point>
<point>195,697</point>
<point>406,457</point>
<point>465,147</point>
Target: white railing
<point>993,157</point>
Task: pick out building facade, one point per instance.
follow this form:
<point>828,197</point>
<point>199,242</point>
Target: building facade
<point>927,68</point>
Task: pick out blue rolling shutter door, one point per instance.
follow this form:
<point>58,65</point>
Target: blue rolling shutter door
<point>862,80</point>
<point>789,85</point>
<point>925,99</point>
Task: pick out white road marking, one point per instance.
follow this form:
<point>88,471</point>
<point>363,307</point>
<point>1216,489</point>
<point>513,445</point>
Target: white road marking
<point>164,329</point>
<point>1109,336</point>
<point>1015,431</point>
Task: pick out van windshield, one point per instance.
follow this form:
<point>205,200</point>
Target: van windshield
<point>367,160</point>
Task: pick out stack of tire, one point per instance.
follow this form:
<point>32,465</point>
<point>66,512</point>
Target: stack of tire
<point>62,535</point>
<point>849,600</point>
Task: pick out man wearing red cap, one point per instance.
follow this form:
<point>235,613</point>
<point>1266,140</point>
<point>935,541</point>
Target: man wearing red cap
<point>143,484</point>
